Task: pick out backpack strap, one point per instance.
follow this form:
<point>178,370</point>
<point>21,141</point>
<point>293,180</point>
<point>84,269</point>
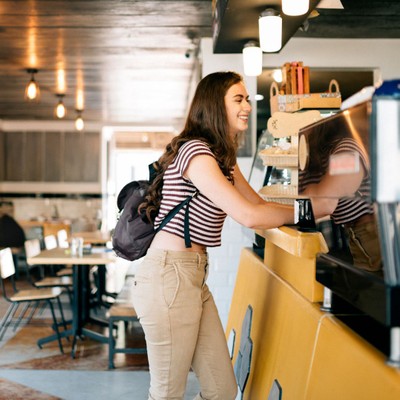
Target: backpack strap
<point>153,171</point>
<point>174,211</point>
<point>188,242</point>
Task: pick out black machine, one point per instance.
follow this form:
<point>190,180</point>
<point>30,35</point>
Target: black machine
<point>369,302</point>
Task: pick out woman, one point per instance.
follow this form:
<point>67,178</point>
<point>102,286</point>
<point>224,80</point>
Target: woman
<point>171,298</point>
<point>345,197</point>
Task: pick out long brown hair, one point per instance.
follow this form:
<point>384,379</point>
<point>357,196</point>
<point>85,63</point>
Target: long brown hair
<point>206,121</point>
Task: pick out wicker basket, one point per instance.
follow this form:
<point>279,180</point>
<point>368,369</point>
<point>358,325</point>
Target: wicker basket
<point>296,102</point>
<point>280,160</point>
<point>283,194</point>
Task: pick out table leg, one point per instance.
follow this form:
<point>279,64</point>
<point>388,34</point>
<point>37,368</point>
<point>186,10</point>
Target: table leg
<point>81,307</point>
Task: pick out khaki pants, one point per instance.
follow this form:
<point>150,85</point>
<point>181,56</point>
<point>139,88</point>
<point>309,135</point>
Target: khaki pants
<point>364,245</point>
<point>182,326</point>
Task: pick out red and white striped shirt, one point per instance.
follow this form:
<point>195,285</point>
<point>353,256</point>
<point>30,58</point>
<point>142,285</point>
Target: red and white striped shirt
<point>205,218</point>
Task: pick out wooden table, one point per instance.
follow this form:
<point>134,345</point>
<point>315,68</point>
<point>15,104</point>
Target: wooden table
<point>97,238</point>
<point>81,287</point>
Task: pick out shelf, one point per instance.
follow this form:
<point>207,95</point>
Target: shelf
<point>296,102</point>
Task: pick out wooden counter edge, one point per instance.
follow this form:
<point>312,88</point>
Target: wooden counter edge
<point>295,242</point>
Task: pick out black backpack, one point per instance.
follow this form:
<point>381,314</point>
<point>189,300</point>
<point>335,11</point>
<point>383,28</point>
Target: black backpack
<point>133,233</point>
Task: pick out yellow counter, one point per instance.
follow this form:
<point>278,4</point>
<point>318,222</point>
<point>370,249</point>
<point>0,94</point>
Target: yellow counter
<point>291,255</point>
<point>309,352</point>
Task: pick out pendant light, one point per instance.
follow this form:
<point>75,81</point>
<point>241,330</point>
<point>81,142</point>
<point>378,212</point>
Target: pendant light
<point>295,7</point>
<point>32,90</point>
<point>60,110</point>
<point>252,59</point>
<point>79,124</point>
<point>270,30</point>
<point>79,105</point>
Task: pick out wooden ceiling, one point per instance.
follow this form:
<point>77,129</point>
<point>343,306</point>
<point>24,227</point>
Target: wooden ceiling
<point>359,19</point>
<point>135,60</point>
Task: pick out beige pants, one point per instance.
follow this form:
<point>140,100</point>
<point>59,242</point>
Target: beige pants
<point>182,326</point>
<point>364,246</point>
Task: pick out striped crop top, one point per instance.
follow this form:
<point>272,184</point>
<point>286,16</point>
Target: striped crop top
<point>205,218</point>
<point>350,209</point>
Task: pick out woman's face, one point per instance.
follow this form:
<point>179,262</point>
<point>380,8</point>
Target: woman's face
<point>237,108</point>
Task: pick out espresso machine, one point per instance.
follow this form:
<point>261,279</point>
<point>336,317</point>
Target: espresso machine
<point>369,302</point>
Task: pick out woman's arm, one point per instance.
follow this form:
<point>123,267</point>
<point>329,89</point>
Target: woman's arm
<point>206,175</point>
<point>325,195</point>
<point>244,187</point>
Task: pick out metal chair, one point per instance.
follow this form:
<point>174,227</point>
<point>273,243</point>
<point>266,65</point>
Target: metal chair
<point>32,248</point>
<point>30,298</point>
<point>51,242</point>
<point>62,238</point>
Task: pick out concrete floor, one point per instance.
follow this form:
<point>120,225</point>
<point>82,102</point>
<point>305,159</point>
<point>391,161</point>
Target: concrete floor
<point>27,372</point>
<point>88,385</point>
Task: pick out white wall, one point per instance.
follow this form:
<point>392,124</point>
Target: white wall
<point>330,53</point>
<point>341,53</point>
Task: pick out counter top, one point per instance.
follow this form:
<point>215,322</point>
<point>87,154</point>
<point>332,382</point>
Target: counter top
<point>295,242</point>
<point>292,254</point>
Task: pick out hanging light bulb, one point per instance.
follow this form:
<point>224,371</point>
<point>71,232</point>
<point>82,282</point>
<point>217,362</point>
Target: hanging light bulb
<point>79,124</point>
<point>79,101</point>
<point>252,59</point>
<point>60,110</point>
<point>32,91</point>
<point>295,7</point>
<point>270,30</point>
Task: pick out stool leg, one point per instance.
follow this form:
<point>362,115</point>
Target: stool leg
<point>111,343</point>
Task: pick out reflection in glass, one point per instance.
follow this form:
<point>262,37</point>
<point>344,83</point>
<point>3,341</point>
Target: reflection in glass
<point>336,176</point>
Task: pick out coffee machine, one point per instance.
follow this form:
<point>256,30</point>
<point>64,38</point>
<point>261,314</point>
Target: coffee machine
<point>369,302</point>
